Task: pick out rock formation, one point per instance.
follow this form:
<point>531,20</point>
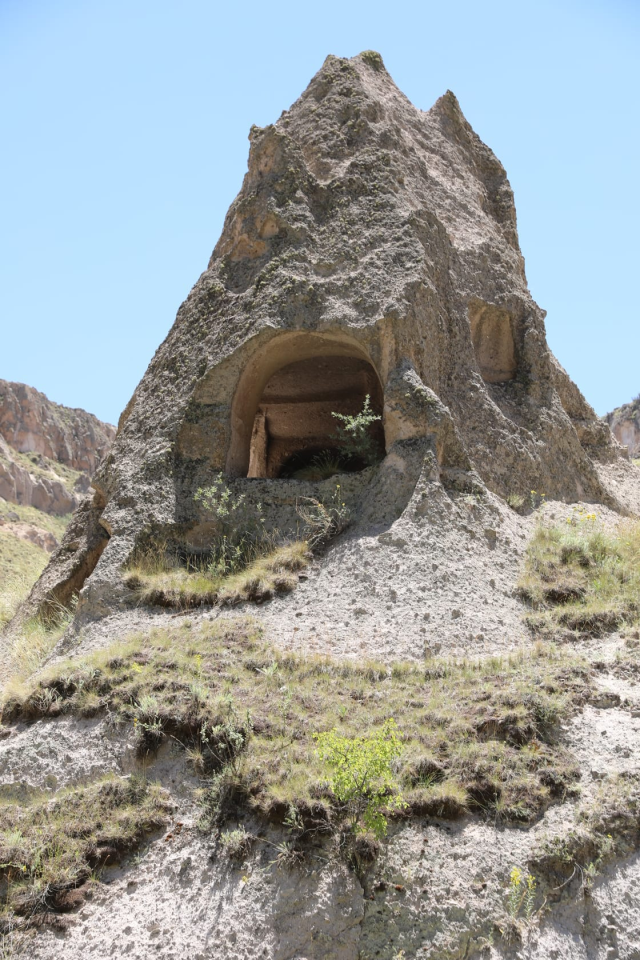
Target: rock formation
<point>372,248</point>
<point>30,423</point>
<point>625,425</point>
<point>372,252</point>
<point>46,434</point>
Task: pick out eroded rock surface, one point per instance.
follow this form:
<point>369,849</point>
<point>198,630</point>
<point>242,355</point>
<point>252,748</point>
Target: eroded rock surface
<point>370,240</point>
<point>31,423</point>
<point>625,425</point>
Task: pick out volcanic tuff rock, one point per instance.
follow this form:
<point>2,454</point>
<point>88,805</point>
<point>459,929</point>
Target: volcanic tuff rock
<point>625,425</point>
<point>371,251</point>
<point>372,248</point>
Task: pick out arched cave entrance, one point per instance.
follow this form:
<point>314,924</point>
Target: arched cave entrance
<point>282,412</point>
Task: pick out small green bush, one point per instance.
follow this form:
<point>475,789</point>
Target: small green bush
<point>362,777</point>
<point>354,435</point>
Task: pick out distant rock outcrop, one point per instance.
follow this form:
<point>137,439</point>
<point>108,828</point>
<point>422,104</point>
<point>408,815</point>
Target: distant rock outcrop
<point>625,425</point>
<point>31,423</point>
<point>46,450</point>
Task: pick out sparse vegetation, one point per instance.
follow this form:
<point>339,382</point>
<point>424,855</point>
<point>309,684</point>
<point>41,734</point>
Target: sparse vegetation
<point>244,562</point>
<point>474,735</point>
<point>50,847</point>
<point>372,59</point>
<point>165,584</point>
<point>21,563</point>
<point>580,579</point>
<point>36,639</point>
<point>516,501</point>
<point>323,519</point>
<point>236,843</point>
<point>607,827</point>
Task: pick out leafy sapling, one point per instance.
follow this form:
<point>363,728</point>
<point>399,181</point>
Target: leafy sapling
<point>362,776</point>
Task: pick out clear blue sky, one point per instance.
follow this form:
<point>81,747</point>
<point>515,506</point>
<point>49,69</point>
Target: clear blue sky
<point>124,139</point>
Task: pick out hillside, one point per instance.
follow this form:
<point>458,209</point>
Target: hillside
<point>339,659</point>
<point>47,454</point>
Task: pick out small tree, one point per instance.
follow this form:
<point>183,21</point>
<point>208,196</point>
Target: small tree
<point>362,777</point>
<point>354,434</point>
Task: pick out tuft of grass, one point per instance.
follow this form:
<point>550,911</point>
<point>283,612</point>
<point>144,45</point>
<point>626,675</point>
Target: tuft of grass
<point>581,579</point>
<point>50,847</point>
<point>607,827</point>
<point>475,735</point>
<point>186,588</point>
<point>34,642</point>
<point>517,502</point>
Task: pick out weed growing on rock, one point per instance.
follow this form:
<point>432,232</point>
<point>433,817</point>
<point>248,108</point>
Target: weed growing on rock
<point>579,578</point>
<point>237,843</point>
<point>323,519</point>
<point>474,736</point>
<point>521,895</point>
<point>354,436</point>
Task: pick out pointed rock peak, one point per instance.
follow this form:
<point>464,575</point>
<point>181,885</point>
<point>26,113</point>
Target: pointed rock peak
<point>448,106</point>
<point>372,59</point>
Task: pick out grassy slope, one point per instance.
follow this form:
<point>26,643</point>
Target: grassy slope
<point>275,572</point>
<point>474,735</point>
<point>49,469</point>
<point>581,579</point>
<point>21,563</point>
<point>50,846</point>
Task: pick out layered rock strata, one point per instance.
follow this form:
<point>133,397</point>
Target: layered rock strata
<point>36,436</point>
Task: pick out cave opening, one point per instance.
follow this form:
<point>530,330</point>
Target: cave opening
<point>295,433</point>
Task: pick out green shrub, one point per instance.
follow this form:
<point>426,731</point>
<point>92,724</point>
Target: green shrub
<point>362,777</point>
<point>354,435</point>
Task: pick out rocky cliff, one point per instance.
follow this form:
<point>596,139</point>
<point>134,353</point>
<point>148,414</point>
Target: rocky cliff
<point>47,453</point>
<point>625,425</point>
<point>31,423</point>
<point>45,449</point>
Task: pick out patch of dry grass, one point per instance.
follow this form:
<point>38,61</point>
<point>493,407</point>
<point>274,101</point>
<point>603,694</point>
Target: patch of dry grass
<point>49,847</point>
<point>275,572</point>
<point>581,579</point>
<point>21,563</point>
<point>475,735</point>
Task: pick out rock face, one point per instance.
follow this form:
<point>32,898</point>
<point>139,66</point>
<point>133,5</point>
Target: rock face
<point>372,249</point>
<point>625,425</point>
<point>30,423</point>
<point>50,434</point>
